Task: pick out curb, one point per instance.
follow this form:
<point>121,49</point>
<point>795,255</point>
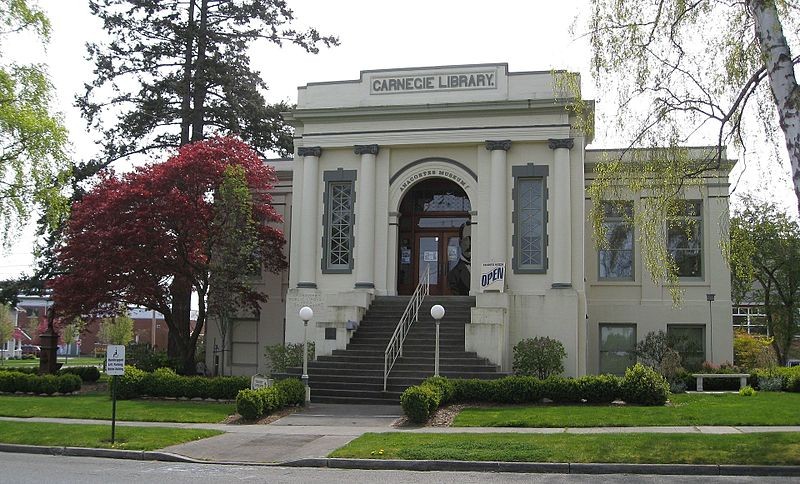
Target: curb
<point>429,465</point>
<point>550,468</point>
<point>94,452</point>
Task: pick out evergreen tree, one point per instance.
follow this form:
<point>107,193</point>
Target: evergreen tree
<point>178,72</point>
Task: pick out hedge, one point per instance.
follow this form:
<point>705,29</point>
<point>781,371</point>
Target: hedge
<point>779,378</point>
<point>88,374</point>
<point>253,404</point>
<point>164,382</point>
<point>420,401</point>
<point>14,381</point>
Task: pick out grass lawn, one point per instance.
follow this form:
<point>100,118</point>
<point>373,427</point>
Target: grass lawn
<point>754,449</point>
<point>71,435</point>
<point>98,406</point>
<point>766,408</point>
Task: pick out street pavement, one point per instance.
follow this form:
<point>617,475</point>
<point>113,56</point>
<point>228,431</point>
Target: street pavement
<point>309,435</point>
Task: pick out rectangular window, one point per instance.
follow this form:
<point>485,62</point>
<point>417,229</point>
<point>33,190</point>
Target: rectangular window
<point>338,220</point>
<point>616,258</point>
<point>530,219</point>
<point>339,224</point>
<point>689,341</point>
<point>684,238</point>
<point>617,348</point>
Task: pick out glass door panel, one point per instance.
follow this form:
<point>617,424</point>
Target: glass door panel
<point>428,250</point>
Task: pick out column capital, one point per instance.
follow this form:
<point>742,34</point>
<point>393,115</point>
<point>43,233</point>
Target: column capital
<point>555,144</point>
<point>504,145</point>
<point>366,149</point>
<point>309,151</point>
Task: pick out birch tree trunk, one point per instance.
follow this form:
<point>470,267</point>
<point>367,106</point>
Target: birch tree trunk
<point>782,81</point>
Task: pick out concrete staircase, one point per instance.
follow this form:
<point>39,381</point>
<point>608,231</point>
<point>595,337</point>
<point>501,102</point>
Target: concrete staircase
<point>355,374</point>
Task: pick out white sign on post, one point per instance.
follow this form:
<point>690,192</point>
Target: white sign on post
<point>115,360</point>
<point>493,276</point>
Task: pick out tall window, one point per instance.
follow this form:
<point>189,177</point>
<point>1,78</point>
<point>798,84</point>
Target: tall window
<point>617,345</point>
<point>616,258</point>
<point>689,340</point>
<point>684,238</point>
<point>530,219</point>
<point>338,220</point>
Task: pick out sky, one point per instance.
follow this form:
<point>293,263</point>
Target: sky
<point>374,35</point>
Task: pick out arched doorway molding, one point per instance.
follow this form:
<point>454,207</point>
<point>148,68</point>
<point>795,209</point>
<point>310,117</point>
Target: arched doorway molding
<point>426,168</point>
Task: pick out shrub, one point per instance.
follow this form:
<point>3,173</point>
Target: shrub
<point>445,386</point>
<point>794,383</point>
<point>752,351</point>
<point>515,389</point>
<point>11,381</point>
<point>471,390</point>
<point>69,383</point>
<point>129,385</point>
<point>87,374</point>
<point>294,390</point>
<point>47,384</point>
<point>599,388</point>
<point>747,391</point>
<point>145,357</point>
<point>24,369</point>
<point>249,404</point>
<point>226,387</point>
<point>253,404</point>
<point>652,349</point>
<point>419,402</point>
<point>164,382</point>
<point>540,356</point>
<point>644,386</point>
<point>561,390</point>
<point>272,398</point>
<point>770,383</point>
<point>281,357</point>
<point>777,378</point>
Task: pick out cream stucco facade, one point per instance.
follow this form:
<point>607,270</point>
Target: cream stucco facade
<point>493,137</point>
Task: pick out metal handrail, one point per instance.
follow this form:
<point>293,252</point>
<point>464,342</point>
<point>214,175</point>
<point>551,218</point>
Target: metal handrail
<point>395,347</point>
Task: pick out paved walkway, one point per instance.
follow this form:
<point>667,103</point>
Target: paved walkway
<point>318,429</point>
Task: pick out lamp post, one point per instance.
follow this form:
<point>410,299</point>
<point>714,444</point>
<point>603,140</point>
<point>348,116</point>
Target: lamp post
<point>710,298</point>
<point>306,313</point>
<point>437,312</point>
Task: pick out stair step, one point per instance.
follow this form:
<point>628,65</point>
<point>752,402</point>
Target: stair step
<point>355,375</point>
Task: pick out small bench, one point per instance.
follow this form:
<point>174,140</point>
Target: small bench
<point>741,376</point>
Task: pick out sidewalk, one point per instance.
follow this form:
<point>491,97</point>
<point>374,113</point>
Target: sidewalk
<point>306,438</point>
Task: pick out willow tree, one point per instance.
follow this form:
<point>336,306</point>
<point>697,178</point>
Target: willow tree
<point>33,163</point>
<point>688,72</point>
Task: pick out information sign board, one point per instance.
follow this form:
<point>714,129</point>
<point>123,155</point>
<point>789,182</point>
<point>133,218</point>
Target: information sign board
<point>115,360</point>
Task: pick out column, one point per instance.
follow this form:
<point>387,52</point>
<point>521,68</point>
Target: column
<point>498,201</point>
<point>365,217</point>
<point>561,243</point>
<point>309,233</point>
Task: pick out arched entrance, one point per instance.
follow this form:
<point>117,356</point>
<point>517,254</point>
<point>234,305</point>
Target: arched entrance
<point>434,216</point>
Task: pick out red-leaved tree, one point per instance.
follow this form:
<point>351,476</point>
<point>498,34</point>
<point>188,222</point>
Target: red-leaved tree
<point>148,238</point>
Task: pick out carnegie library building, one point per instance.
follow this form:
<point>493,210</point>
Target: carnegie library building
<point>472,180</point>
